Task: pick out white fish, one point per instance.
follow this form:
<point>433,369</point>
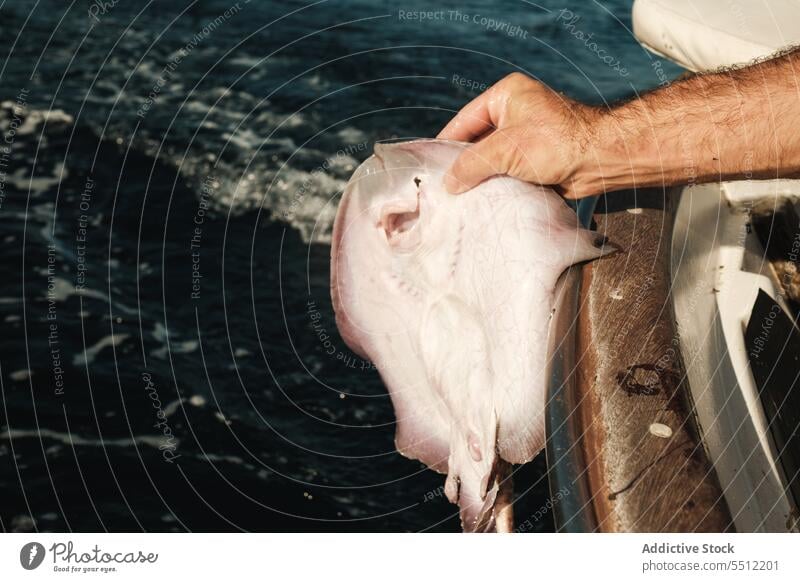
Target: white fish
<point>451,297</point>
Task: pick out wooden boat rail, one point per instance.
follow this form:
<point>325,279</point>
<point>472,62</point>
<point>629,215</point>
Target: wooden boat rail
<point>624,453</point>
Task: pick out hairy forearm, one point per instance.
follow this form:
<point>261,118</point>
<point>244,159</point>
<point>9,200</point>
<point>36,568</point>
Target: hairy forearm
<point>736,124</point>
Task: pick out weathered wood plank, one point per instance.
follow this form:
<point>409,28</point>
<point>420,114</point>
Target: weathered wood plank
<point>646,466</point>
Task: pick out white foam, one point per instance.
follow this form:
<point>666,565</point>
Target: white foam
<point>36,117</point>
<point>37,184</point>
<point>89,354</point>
<point>197,400</point>
<point>76,439</point>
<point>20,375</point>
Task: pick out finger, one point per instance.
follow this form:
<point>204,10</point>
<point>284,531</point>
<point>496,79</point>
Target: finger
<point>475,118</point>
<point>478,162</point>
<point>572,190</point>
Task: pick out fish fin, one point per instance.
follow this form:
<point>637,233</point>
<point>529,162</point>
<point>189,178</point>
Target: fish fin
<point>577,245</point>
<point>430,154</point>
<point>574,243</point>
<point>462,380</point>
<point>593,245</point>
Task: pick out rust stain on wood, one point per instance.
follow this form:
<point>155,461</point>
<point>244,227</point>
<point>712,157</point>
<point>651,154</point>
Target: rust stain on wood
<point>630,376</point>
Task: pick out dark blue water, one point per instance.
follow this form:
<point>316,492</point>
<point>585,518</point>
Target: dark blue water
<point>169,174</point>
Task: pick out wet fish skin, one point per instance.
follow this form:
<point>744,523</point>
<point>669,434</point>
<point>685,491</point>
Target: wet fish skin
<point>451,298</point>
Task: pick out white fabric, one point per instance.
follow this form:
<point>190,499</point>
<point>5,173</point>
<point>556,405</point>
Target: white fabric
<point>703,35</point>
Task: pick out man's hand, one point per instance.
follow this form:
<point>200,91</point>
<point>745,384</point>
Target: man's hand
<point>728,125</point>
<point>524,129</point>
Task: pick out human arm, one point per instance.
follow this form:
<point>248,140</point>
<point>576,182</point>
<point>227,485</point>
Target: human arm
<point>734,124</point>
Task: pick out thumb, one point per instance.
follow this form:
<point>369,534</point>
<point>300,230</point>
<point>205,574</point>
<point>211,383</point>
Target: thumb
<point>479,161</point>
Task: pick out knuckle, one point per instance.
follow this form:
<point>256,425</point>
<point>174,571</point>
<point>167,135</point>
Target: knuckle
<point>512,82</point>
<point>515,77</point>
<point>519,80</point>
